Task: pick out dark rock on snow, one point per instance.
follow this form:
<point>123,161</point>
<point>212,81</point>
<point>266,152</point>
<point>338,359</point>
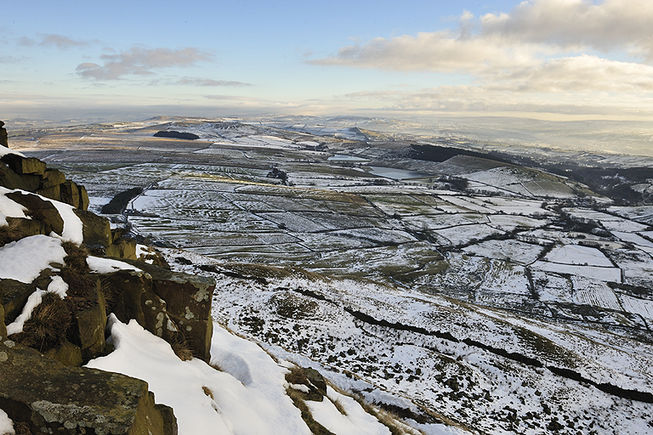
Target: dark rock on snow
<point>119,202</point>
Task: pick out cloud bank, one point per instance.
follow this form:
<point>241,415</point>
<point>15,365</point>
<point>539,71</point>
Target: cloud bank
<point>140,61</point>
<point>554,47</point>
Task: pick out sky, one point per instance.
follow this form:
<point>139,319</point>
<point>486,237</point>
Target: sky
<point>551,60</point>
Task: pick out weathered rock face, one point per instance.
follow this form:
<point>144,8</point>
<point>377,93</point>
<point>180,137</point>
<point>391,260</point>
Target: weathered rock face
<point>3,326</point>
<point>96,230</point>
<point>18,228</point>
<point>40,211</point>
<point>3,134</point>
<point>45,396</point>
<point>174,306</point>
<point>188,299</point>
<point>32,175</point>
<point>13,295</point>
<point>121,246</point>
<point>89,323</point>
<point>310,378</point>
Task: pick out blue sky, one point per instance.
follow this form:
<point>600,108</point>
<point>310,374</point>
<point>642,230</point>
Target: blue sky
<point>546,58</point>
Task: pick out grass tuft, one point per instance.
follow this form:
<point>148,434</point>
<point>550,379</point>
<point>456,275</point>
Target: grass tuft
<point>180,347</point>
<point>315,427</point>
<point>76,257</point>
<point>47,327</point>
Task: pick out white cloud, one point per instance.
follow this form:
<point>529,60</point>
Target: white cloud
<point>577,73</point>
<point>609,25</point>
<point>437,51</point>
<point>52,40</point>
<point>198,81</point>
<point>140,61</point>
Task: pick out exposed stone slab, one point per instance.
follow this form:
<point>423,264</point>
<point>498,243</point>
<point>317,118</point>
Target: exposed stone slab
<point>70,193</point>
<point>49,397</point>
<point>38,209</point>
<point>13,295</point>
<point>24,165</point>
<point>53,177</point>
<point>188,298</point>
<point>96,229</point>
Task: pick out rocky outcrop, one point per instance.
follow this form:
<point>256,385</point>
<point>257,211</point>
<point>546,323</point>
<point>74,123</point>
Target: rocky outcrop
<point>3,134</point>
<point>43,389</point>
<point>171,305</point>
<point>188,299</point>
<point>41,395</point>
<point>32,175</point>
<point>41,211</point>
<point>122,245</point>
<point>316,387</point>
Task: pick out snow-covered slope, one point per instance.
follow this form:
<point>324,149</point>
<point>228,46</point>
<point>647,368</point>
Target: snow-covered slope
<point>242,391</point>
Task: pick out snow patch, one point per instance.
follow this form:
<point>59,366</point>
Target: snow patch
<point>58,286</point>
<point>33,301</point>
<point>72,224</point>
<point>9,208</point>
<point>6,425</point>
<point>107,265</point>
<point>608,274</point>
<point>354,421</point>
<point>24,259</point>
<point>4,151</point>
<point>580,255</point>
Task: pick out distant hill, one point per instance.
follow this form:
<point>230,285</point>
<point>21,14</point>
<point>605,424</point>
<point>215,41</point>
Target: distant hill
<point>176,135</point>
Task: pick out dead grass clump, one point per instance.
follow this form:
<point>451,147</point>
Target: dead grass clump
<point>386,418</point>
<point>181,348</point>
<point>315,427</point>
<point>339,407</point>
<point>208,392</point>
<point>22,428</point>
<point>47,327</point>
<point>76,257</point>
<point>80,283</point>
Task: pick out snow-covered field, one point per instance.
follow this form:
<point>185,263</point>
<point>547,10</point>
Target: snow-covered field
<point>431,355</point>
